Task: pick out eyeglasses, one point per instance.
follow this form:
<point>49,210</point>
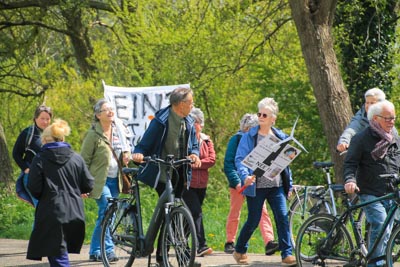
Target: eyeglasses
<point>264,115</point>
<point>387,119</point>
<point>191,103</point>
<point>107,110</point>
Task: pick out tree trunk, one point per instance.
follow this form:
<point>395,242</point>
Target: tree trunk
<point>313,21</point>
<point>5,163</point>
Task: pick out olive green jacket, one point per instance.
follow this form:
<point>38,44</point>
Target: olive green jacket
<point>96,152</point>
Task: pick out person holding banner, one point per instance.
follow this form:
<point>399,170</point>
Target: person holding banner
<point>258,189</point>
<point>171,132</point>
<point>237,199</point>
<point>103,146</point>
<point>25,148</point>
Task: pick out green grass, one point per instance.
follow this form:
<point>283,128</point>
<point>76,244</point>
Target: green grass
<point>16,217</point>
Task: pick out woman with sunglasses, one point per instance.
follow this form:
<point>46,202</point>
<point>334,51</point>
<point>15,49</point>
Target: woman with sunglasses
<point>25,148</point>
<point>259,189</point>
<point>237,199</point>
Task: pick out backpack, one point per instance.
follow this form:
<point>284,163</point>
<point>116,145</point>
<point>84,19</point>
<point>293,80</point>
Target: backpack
<point>28,140</point>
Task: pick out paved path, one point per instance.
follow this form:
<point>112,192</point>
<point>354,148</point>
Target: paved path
<point>13,253</point>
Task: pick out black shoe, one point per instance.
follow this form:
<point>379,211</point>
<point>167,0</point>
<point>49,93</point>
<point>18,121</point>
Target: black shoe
<point>271,248</point>
<point>229,247</point>
<point>204,251</point>
<point>96,257</point>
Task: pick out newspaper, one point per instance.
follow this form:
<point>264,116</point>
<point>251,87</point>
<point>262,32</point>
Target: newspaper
<point>270,157</point>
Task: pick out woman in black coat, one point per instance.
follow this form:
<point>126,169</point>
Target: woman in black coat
<point>58,178</point>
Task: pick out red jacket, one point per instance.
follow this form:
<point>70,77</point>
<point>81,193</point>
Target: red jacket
<point>207,157</point>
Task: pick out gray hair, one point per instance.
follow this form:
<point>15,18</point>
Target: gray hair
<point>375,92</point>
<point>198,115</point>
<point>270,104</point>
<point>376,109</point>
<point>179,94</point>
<point>248,120</point>
<point>97,107</point>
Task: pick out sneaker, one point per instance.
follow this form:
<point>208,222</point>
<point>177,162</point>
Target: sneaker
<point>112,257</point>
<point>229,247</point>
<point>289,261</point>
<point>271,248</point>
<point>204,251</point>
<point>95,257</point>
<point>240,258</point>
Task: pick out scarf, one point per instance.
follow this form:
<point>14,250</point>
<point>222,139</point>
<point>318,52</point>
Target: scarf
<point>382,146</point>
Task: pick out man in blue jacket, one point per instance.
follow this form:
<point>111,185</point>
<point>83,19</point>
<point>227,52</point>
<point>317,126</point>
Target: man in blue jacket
<point>165,137</point>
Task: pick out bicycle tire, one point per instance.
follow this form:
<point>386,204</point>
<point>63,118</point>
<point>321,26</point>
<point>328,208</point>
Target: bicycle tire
<point>121,224</point>
<point>393,247</point>
<point>313,234</point>
<point>179,240</point>
<point>297,217</point>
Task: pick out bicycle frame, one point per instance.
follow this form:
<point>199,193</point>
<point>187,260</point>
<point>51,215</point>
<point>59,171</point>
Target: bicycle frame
<point>161,211</point>
<point>348,214</point>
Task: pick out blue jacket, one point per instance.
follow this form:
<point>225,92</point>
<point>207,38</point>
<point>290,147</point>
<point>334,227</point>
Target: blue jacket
<point>153,141</point>
<point>358,123</point>
<point>229,160</point>
<point>246,145</point>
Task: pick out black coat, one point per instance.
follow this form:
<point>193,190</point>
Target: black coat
<point>361,168</point>
<point>57,178</point>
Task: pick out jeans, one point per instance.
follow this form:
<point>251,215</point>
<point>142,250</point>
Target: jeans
<point>376,214</point>
<point>59,261</point>
<point>110,189</point>
<point>232,222</point>
<point>277,200</point>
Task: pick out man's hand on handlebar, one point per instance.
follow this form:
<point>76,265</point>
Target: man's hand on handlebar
<point>137,157</point>
<point>351,188</point>
<point>196,162</point>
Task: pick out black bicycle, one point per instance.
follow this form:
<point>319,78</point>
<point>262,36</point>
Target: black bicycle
<point>326,241</point>
<point>311,200</point>
<point>123,221</point>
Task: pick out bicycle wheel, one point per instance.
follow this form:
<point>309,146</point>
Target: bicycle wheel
<point>179,239</point>
<point>120,223</point>
<point>393,248</point>
<point>315,248</point>
<point>297,216</point>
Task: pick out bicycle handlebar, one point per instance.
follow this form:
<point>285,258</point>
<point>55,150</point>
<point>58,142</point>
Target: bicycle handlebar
<point>127,170</point>
<point>169,161</point>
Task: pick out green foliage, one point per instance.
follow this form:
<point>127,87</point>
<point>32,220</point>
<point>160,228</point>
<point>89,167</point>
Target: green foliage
<point>365,33</point>
<point>16,216</point>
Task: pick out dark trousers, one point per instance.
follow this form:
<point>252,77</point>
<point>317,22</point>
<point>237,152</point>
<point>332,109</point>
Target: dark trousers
<point>194,198</point>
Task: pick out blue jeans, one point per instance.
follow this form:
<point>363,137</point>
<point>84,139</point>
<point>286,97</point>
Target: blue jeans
<point>376,214</point>
<point>34,200</point>
<point>59,261</point>
<point>110,189</point>
<point>277,200</point>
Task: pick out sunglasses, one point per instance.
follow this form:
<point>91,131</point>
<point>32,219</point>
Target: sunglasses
<point>264,115</point>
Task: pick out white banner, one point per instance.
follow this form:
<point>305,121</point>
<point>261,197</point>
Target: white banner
<point>136,106</point>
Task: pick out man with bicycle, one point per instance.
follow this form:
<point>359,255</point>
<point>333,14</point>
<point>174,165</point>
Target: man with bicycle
<point>171,132</point>
<point>372,152</point>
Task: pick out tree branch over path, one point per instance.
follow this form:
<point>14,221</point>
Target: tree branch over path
<point>8,5</point>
